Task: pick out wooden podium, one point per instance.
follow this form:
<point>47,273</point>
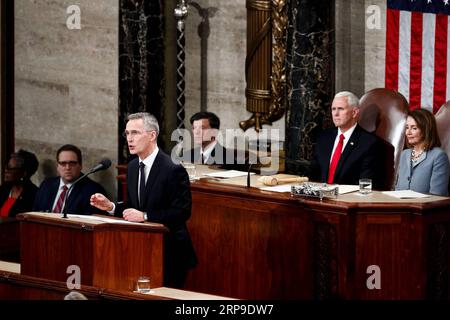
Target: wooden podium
<point>110,252</point>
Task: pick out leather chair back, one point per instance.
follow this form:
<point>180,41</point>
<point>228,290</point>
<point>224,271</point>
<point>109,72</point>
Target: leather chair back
<point>384,112</point>
<point>443,126</point>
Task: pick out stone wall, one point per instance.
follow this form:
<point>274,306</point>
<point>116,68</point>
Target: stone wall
<point>360,51</point>
<point>66,82</point>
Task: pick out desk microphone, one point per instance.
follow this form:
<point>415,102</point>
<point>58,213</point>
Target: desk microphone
<point>102,165</point>
<point>248,174</point>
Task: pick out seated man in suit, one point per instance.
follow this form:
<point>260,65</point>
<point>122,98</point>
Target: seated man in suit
<point>158,191</point>
<point>346,153</point>
<point>207,150</point>
<point>56,195</point>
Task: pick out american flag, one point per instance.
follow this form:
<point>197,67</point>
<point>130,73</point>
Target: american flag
<point>417,47</point>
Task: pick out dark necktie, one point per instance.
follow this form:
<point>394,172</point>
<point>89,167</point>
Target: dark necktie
<point>335,159</point>
<point>59,204</point>
<point>142,185</point>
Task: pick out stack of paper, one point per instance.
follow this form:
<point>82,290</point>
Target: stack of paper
<point>406,194</point>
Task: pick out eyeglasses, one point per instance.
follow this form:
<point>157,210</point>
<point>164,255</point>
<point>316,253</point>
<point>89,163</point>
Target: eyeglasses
<point>65,163</point>
<point>133,133</point>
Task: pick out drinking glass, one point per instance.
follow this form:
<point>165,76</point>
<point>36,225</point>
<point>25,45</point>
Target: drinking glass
<point>365,186</point>
<point>143,285</point>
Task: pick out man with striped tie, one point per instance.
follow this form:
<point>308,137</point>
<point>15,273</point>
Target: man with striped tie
<point>56,195</point>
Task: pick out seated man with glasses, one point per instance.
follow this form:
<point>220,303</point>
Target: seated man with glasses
<point>56,195</point>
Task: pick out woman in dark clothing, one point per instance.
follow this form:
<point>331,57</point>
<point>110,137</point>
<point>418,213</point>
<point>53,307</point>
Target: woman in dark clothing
<point>17,193</point>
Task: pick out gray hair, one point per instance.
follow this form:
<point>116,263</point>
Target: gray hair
<point>150,122</point>
<point>75,295</point>
<point>352,99</point>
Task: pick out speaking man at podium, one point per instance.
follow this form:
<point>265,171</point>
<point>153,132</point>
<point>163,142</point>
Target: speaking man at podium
<point>59,194</point>
<point>158,191</point>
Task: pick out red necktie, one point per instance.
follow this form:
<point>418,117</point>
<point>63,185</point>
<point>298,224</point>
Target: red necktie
<point>335,159</point>
<point>60,202</point>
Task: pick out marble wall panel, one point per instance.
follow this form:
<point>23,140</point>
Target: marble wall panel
<point>67,83</point>
<point>375,49</point>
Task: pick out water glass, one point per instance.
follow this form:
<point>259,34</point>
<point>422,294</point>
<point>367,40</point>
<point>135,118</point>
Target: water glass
<point>143,285</point>
<point>365,186</point>
<point>190,169</point>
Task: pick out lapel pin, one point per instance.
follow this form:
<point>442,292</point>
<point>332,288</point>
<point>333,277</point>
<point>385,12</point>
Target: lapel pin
<point>351,143</point>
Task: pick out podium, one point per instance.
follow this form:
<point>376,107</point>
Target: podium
<point>109,252</point>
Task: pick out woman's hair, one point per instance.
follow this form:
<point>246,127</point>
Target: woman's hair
<point>427,125</point>
<point>27,161</point>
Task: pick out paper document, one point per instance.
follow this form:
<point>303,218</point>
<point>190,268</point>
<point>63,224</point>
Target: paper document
<point>347,188</point>
<point>405,194</point>
<point>227,174</point>
<point>280,188</point>
<point>102,219</point>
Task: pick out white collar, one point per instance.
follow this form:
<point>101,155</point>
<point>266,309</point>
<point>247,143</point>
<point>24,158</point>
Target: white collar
<point>347,134</point>
<point>150,159</point>
<point>209,148</point>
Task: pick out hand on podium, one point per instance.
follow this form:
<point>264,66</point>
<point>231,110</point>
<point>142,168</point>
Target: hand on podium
<point>133,215</point>
<point>101,202</point>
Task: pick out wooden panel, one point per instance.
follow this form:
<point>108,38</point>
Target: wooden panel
<point>48,250</point>
<point>9,239</point>
<point>121,257</point>
<point>248,252</point>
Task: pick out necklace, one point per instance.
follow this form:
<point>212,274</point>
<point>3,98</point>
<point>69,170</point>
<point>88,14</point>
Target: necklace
<point>415,156</point>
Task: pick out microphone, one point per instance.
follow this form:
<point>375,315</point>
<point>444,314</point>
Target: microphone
<point>102,165</point>
<point>248,174</point>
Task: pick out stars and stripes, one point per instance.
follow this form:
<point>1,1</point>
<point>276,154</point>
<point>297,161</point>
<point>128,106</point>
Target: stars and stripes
<point>417,51</point>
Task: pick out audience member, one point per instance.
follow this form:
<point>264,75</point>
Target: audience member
<point>18,192</point>
<point>57,194</point>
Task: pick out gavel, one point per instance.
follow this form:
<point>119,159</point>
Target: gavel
<point>272,181</point>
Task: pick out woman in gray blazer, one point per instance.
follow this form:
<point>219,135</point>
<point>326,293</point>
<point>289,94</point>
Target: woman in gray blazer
<point>424,167</point>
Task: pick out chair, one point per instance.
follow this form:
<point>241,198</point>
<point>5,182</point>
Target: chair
<point>443,126</point>
<point>384,112</point>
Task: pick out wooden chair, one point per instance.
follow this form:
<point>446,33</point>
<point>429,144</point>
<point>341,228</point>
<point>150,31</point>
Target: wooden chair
<point>384,112</point>
<point>443,126</point>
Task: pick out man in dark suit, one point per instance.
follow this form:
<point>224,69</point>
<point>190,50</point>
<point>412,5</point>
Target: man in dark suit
<point>347,153</point>
<point>158,191</point>
<point>56,195</point>
<point>207,149</point>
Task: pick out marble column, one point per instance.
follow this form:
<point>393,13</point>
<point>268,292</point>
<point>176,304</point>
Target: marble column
<point>310,78</point>
<point>141,62</point>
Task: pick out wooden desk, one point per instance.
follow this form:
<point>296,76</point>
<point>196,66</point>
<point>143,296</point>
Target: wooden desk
<point>107,251</point>
<point>255,244</point>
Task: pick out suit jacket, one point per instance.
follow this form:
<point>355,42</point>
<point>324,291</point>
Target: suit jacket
<point>430,174</point>
<point>359,159</point>
<point>224,158</point>
<point>168,201</point>
<point>25,201</point>
<point>78,201</point>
